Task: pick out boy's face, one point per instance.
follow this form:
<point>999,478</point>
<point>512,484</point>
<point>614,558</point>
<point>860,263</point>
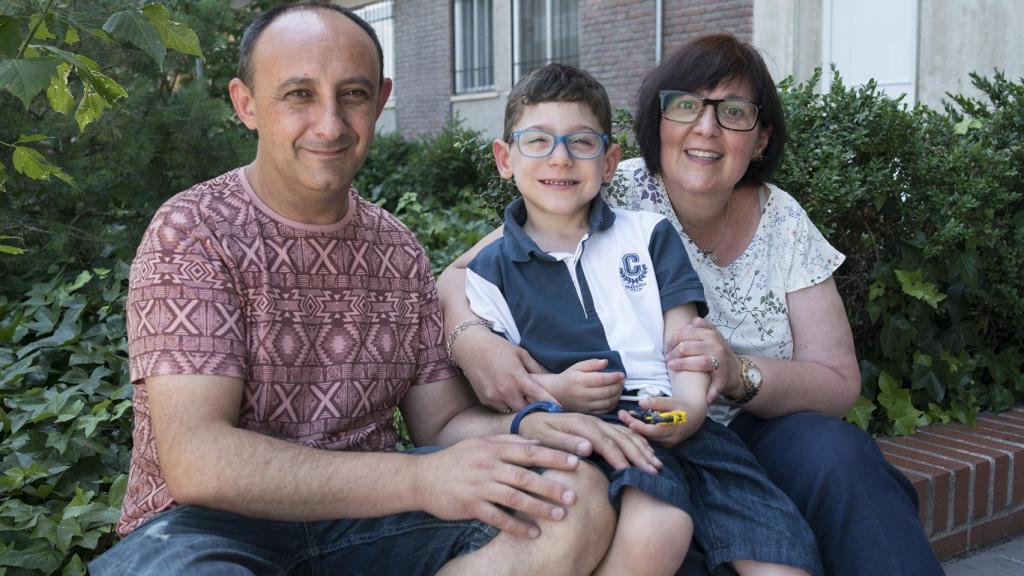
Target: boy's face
<point>557,184</point>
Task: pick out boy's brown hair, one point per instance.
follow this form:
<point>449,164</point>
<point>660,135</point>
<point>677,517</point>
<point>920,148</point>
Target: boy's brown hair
<point>557,83</point>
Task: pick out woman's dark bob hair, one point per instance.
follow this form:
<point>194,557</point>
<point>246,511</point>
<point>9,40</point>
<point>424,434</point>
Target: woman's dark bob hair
<point>702,64</point>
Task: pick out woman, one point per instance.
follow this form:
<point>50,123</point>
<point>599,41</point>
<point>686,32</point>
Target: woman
<point>776,341</point>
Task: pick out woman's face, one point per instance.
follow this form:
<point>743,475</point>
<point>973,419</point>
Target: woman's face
<point>702,157</point>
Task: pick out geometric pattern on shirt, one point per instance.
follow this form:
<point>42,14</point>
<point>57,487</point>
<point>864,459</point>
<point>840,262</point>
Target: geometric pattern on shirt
<point>328,329</point>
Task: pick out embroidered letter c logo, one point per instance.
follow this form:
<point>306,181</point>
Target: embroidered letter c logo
<point>633,272</point>
<point>629,264</point>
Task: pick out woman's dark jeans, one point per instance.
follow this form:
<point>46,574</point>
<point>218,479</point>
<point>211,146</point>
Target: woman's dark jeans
<point>863,511</point>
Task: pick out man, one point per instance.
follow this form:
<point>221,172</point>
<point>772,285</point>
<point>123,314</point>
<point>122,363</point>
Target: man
<point>275,321</point>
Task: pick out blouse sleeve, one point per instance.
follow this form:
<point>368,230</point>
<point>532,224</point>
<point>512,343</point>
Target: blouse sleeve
<point>814,259</point>
<point>620,190</point>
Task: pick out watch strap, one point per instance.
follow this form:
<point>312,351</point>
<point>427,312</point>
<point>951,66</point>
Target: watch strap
<point>545,406</point>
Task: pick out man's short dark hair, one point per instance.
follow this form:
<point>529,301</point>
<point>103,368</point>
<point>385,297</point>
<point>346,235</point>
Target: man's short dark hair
<point>703,64</point>
<point>557,83</point>
<point>256,28</point>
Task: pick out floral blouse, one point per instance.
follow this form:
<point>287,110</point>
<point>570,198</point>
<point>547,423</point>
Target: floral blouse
<point>747,298</point>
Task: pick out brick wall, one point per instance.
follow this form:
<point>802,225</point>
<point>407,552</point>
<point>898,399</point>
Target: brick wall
<point>423,80</point>
<point>617,37</point>
<point>617,45</point>
<point>969,480</point>
<point>685,19</point>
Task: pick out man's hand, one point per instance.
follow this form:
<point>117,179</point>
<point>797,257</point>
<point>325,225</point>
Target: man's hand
<point>475,478</point>
<point>582,387</point>
<point>664,434</point>
<point>584,435</point>
<point>499,371</point>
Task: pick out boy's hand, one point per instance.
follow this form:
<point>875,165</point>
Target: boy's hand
<point>668,436</point>
<point>582,387</point>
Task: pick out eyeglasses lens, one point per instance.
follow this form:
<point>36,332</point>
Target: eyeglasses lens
<point>538,144</point>
<point>731,114</point>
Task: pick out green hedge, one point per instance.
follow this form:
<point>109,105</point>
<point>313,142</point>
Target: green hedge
<point>925,204</point>
<point>927,207</point>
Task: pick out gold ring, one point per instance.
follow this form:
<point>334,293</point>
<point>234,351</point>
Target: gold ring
<point>714,360</point>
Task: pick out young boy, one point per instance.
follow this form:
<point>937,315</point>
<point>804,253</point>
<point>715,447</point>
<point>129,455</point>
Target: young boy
<point>591,292</point>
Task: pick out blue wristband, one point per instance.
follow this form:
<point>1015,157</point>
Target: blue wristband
<point>531,408</point>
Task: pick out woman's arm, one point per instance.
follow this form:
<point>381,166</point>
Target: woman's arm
<point>823,375</point>
<point>498,370</point>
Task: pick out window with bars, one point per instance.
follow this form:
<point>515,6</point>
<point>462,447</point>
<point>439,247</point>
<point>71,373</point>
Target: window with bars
<point>380,15</point>
<point>474,46</point>
<point>545,31</point>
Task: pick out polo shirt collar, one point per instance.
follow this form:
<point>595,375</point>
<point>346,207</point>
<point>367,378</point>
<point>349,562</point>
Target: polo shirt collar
<point>521,247</point>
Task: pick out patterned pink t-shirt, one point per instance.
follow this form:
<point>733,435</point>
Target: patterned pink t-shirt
<point>328,325</point>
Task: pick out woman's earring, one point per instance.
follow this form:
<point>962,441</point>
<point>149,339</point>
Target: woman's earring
<point>759,157</point>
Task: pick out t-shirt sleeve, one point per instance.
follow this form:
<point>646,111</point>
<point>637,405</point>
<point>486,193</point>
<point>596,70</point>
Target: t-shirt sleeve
<point>678,282</point>
<point>184,313</point>
<point>432,359</point>
<point>813,260</point>
<point>484,291</point>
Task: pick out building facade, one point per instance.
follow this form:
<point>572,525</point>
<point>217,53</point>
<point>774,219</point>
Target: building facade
<point>460,58</point>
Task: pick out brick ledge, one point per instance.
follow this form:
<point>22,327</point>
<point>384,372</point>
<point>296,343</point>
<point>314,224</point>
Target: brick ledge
<point>969,479</point>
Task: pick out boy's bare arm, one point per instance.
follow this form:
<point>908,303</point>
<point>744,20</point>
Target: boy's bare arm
<point>689,392</point>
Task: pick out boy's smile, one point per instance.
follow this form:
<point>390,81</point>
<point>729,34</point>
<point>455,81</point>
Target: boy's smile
<point>557,188</point>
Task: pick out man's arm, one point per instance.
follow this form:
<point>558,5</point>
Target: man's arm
<point>208,461</point>
<point>431,419</point>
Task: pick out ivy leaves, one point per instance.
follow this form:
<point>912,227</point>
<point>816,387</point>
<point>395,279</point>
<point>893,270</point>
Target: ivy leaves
<point>65,422</point>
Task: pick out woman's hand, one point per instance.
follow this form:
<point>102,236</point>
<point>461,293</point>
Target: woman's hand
<point>695,347</point>
<point>499,371</point>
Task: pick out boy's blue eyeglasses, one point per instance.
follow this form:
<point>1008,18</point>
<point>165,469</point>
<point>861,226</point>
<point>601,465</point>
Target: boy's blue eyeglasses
<point>540,143</point>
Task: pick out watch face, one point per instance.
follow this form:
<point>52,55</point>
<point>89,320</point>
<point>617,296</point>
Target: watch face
<point>753,374</point>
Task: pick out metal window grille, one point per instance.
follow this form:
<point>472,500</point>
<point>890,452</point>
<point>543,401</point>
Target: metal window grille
<point>545,31</point>
<point>474,53</point>
<point>380,15</point>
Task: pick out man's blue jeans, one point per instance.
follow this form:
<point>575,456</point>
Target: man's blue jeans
<point>196,540</point>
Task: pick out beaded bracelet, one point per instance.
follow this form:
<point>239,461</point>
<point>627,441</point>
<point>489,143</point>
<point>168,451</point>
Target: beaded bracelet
<point>450,340</point>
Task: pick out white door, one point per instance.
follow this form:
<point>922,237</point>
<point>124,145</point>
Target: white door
<point>873,39</point>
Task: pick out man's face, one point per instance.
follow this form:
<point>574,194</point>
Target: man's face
<point>314,101</point>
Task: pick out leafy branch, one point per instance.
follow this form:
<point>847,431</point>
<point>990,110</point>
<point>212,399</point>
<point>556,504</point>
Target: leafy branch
<point>36,67</point>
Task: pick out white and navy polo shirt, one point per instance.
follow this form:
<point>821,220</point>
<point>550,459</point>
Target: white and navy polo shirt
<point>605,300</point>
